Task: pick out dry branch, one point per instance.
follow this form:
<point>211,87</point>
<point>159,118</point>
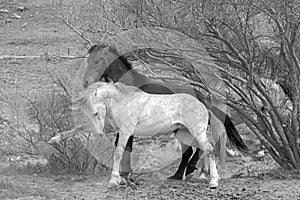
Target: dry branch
<point>76,31</point>
<point>18,57</point>
<point>8,57</point>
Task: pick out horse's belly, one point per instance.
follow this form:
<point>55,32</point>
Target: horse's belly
<point>185,137</point>
<point>154,129</point>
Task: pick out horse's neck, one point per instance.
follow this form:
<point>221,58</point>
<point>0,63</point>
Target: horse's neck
<point>114,96</point>
<point>108,102</point>
<point>119,71</point>
<point>134,78</point>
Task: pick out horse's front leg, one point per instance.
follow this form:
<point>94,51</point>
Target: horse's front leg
<point>126,158</point>
<point>115,179</point>
<point>187,151</point>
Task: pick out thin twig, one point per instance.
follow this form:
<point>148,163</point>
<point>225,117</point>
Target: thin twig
<point>76,31</point>
<point>18,57</point>
<point>41,56</point>
<point>71,57</point>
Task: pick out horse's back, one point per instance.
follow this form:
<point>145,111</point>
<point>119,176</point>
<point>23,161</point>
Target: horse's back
<point>182,104</point>
<point>165,88</point>
<point>155,114</point>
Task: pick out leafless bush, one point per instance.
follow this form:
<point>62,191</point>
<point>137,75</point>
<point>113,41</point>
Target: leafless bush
<point>41,118</point>
<point>249,41</point>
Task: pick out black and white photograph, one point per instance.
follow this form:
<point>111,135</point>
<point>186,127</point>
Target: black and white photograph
<point>149,99</point>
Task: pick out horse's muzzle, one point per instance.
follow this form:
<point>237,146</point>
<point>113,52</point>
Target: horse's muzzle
<point>85,84</point>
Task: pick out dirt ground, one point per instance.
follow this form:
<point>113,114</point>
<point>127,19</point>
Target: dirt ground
<point>35,30</point>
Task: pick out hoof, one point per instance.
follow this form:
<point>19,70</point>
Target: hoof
<point>189,177</point>
<point>202,176</point>
<point>114,182</point>
<point>175,177</point>
<point>213,185</point>
<point>123,181</point>
<point>112,185</point>
<point>125,175</point>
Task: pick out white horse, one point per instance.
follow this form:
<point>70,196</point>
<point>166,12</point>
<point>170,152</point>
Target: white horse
<point>131,111</point>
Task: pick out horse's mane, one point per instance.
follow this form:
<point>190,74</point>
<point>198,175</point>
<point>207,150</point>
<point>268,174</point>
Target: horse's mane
<point>125,62</point>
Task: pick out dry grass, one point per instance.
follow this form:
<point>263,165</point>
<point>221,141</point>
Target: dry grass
<point>10,190</point>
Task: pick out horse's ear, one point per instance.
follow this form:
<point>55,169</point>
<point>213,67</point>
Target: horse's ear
<point>114,50</point>
<point>92,48</point>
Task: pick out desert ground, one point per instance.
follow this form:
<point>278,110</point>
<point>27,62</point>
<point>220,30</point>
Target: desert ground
<point>33,42</point>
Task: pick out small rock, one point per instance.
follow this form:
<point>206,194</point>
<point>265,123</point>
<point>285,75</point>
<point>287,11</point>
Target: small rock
<point>260,154</point>
<point>16,16</point>
<point>4,11</point>
<point>8,21</point>
<point>24,25</point>
<point>22,8</point>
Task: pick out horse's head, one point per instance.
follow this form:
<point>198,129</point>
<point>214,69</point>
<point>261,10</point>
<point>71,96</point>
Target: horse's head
<point>96,114</point>
<point>95,111</point>
<point>93,108</point>
<point>100,57</point>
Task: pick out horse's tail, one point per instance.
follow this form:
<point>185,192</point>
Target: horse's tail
<point>234,136</point>
<point>220,149</point>
<point>232,133</point>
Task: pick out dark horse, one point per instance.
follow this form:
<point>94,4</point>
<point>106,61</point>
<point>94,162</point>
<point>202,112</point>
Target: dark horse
<point>104,62</point>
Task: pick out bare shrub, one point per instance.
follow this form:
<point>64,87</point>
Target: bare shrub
<point>42,117</point>
<point>249,41</point>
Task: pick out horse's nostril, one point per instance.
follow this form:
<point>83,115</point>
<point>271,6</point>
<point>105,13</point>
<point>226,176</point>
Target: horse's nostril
<point>85,84</point>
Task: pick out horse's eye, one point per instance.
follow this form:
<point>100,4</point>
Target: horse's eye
<point>96,114</point>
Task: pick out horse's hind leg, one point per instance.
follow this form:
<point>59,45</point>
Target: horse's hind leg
<point>126,159</point>
<point>208,152</point>
<point>187,151</point>
<point>214,176</point>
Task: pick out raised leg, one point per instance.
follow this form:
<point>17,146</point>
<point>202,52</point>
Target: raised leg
<point>126,157</point>
<point>187,151</point>
<point>207,166</point>
<point>205,169</point>
<point>208,156</point>
<point>115,179</point>
<point>192,165</point>
<point>214,176</point>
<point>200,168</point>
